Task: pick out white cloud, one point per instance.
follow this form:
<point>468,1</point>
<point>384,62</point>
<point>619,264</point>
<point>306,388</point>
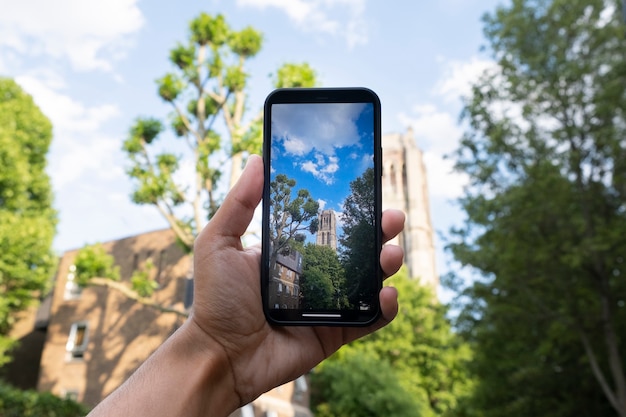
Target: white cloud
<point>310,167</point>
<point>436,130</point>
<point>295,146</point>
<point>65,112</point>
<point>438,134</point>
<point>458,77</point>
<point>91,35</point>
<point>79,146</point>
<point>324,127</point>
<point>322,168</point>
<point>338,18</point>
<point>443,182</point>
<point>436,127</point>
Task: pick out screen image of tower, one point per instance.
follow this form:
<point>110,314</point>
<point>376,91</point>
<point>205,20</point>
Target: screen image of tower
<point>322,207</point>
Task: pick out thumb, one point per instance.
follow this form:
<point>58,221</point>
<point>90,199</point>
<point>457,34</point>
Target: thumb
<point>235,213</point>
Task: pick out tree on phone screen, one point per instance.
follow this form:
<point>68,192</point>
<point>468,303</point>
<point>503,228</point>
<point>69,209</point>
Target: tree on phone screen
<point>289,217</point>
<point>358,242</point>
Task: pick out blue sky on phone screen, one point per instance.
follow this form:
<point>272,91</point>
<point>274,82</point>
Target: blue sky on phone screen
<point>323,147</point>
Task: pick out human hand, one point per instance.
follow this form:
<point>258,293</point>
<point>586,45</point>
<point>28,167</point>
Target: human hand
<point>227,315</point>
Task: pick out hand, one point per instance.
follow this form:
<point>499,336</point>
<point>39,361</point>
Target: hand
<point>228,316</point>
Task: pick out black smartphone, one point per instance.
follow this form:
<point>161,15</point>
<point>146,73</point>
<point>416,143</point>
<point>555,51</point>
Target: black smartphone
<point>321,234</point>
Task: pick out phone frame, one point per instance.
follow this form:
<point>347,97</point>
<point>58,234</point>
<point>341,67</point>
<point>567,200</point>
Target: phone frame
<point>353,317</point>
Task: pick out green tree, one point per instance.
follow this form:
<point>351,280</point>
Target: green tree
<point>360,385</point>
<point>207,91</point>
<point>289,217</point>
<point>210,119</point>
<point>322,283</point>
<point>429,361</point>
<point>208,82</point>
<point>358,242</point>
<point>546,212</point>
<point>17,403</point>
<point>27,219</point>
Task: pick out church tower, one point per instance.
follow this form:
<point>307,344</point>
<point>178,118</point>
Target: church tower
<point>327,229</point>
<point>405,188</point>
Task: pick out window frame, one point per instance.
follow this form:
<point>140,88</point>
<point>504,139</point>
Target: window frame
<point>77,351</point>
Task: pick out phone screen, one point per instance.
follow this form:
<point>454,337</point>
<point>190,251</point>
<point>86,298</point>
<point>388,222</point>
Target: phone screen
<point>321,207</point>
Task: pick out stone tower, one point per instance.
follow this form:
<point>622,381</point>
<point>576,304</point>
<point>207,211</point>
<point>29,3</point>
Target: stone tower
<point>405,188</point>
<point>327,229</point>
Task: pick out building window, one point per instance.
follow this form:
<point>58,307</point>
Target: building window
<point>280,287</point>
<point>188,297</point>
<point>77,341</point>
<point>70,394</point>
<point>73,291</point>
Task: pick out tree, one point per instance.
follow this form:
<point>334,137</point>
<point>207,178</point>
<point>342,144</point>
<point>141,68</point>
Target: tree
<point>289,217</point>
<point>359,219</point>
<point>360,385</point>
<point>428,360</point>
<point>207,86</point>
<point>27,219</point>
<point>206,90</point>
<point>208,81</point>
<point>323,279</point>
<point>546,211</point>
<point>17,403</point>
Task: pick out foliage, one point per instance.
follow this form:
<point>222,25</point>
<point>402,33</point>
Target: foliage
<point>95,266</point>
<point>207,91</point>
<point>295,75</point>
<point>94,261</point>
<point>17,403</point>
<point>322,282</point>
<point>359,219</point>
<point>213,131</point>
<point>27,219</point>
<point>290,215</point>
<point>142,282</point>
<point>360,385</point>
<point>546,211</point>
<point>428,359</point>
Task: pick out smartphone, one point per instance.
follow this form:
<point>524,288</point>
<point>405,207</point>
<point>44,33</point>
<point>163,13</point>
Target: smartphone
<point>321,233</point>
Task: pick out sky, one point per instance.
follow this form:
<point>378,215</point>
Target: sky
<point>323,147</point>
<point>91,67</point>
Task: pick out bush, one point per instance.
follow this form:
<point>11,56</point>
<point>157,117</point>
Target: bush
<point>18,403</point>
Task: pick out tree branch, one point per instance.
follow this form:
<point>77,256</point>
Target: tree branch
<point>129,293</point>
<point>597,372</point>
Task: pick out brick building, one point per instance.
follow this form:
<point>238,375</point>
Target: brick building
<point>97,337</point>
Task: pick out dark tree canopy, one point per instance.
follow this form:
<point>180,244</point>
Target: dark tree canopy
<point>322,282</point>
<point>358,241</point>
<point>27,219</point>
<point>545,153</point>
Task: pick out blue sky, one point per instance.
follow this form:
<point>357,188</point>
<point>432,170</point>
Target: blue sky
<point>91,67</point>
<point>323,147</point>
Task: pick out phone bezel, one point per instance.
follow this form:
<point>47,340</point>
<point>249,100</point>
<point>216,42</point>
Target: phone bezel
<point>321,317</point>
